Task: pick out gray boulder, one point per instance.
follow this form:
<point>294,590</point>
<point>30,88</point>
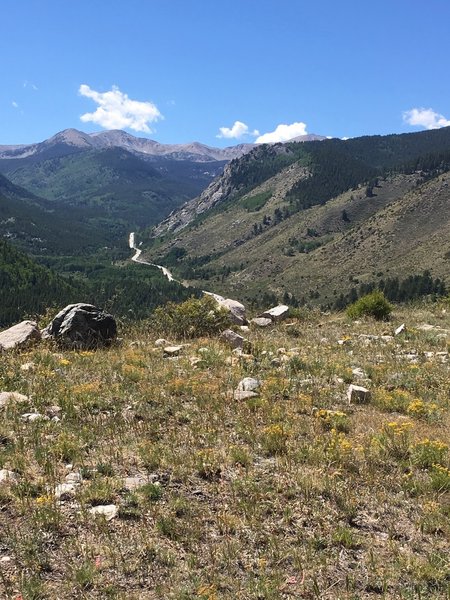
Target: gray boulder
<point>261,321</point>
<point>232,339</point>
<point>235,309</point>
<point>277,313</point>
<point>20,335</point>
<point>82,326</point>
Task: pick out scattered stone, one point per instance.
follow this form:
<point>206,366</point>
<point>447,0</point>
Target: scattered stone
<point>109,511</point>
<point>196,361</point>
<point>244,328</point>
<point>5,559</point>
<point>232,339</point>
<point>277,313</point>
<point>29,366</point>
<point>64,491</point>
<point>249,384</point>
<point>82,326</point>
<point>54,410</point>
<point>7,476</point>
<point>261,321</point>
<point>74,477</point>
<point>244,395</point>
<point>359,373</point>
<point>20,335</point>
<point>358,395</point>
<point>160,342</point>
<point>34,416</point>
<point>400,329</point>
<point>7,397</point>
<point>133,483</point>
<point>171,351</point>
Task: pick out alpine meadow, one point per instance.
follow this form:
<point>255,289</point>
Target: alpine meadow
<point>224,363</point>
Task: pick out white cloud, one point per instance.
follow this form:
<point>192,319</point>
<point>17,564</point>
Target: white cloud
<point>283,133</point>
<point>238,130</point>
<point>117,111</point>
<point>31,85</point>
<point>425,117</point>
<point>14,103</point>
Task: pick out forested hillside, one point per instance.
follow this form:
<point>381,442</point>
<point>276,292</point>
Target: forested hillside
<point>313,219</point>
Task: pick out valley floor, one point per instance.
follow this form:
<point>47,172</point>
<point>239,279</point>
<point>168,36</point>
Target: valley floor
<point>290,493</point>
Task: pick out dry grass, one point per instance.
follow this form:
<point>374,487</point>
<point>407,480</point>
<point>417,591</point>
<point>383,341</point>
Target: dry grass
<point>292,494</point>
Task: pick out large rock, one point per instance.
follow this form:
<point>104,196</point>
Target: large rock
<point>277,313</point>
<point>82,326</point>
<point>232,339</point>
<point>19,335</point>
<point>261,321</point>
<point>235,309</point>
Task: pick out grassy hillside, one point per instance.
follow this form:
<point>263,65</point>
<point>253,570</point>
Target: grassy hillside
<point>337,214</point>
<point>292,493</point>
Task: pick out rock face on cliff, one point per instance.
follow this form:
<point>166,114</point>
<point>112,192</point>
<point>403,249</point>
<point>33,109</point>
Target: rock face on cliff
<point>233,182</point>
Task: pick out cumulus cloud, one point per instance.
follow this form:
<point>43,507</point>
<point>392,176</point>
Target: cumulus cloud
<point>238,130</point>
<point>282,133</point>
<point>117,111</point>
<point>14,103</point>
<point>425,117</point>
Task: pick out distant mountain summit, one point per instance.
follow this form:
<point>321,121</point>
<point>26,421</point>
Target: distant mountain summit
<point>73,140</point>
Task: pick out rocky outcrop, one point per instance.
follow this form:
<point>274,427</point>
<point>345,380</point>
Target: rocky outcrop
<point>19,336</point>
<point>82,326</point>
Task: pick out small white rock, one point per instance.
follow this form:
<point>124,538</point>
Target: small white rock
<point>172,350</point>
<point>358,395</point>
<point>64,491</point>
<point>249,384</point>
<point>34,416</point>
<point>7,397</point>
<point>6,475</point>
<point>109,511</point>
<point>400,329</point>
<point>244,395</point>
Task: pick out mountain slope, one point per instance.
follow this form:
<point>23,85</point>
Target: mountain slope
<point>296,230</point>
<point>114,188</point>
<point>27,288</point>
<point>33,224</point>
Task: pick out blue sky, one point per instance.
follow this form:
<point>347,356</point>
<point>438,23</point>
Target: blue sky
<point>180,70</point>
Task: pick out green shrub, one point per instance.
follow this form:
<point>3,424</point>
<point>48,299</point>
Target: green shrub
<point>192,318</point>
<point>372,305</point>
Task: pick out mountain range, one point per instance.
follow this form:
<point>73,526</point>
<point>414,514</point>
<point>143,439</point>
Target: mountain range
<point>69,141</point>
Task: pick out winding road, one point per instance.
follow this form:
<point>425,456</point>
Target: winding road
<point>137,258</point>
